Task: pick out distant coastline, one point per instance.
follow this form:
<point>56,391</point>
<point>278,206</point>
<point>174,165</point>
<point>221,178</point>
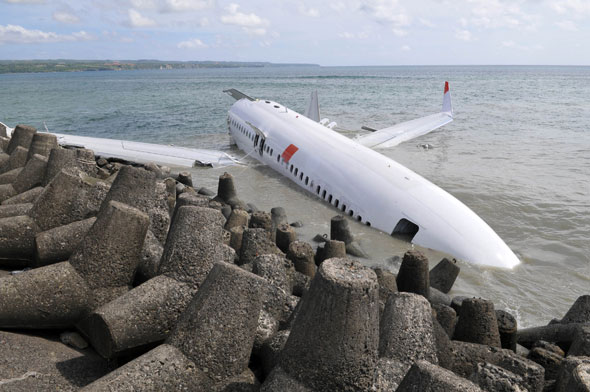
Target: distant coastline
<point>29,66</point>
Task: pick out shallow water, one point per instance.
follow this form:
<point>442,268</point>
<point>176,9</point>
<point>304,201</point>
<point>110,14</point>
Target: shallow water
<point>518,152</point>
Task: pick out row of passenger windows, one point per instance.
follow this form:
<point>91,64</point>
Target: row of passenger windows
<point>323,193</point>
<point>251,135</point>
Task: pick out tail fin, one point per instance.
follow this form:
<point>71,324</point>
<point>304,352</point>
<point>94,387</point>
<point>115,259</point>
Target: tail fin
<point>313,110</point>
<point>447,107</point>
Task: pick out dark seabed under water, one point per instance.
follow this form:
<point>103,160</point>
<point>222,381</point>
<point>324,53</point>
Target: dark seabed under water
<point>518,152</point>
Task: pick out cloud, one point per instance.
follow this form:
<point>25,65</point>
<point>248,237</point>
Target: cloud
<point>387,11</point>
<point>65,17</point>
<point>399,32</point>
<point>311,12</point>
<point>464,35</point>
<point>138,20</point>
<point>13,34</point>
<point>172,5</point>
<point>347,35</point>
<point>194,43</point>
<point>24,1</point>
<point>567,25</point>
<point>406,48</point>
<point>519,47</point>
<point>250,23</point>
<point>427,23</point>
<point>576,7</point>
<point>491,14</point>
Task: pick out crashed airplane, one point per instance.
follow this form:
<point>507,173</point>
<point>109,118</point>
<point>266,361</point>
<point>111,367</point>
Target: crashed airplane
<point>346,173</point>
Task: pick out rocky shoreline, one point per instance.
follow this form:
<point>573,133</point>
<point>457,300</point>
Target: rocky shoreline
<point>119,276</point>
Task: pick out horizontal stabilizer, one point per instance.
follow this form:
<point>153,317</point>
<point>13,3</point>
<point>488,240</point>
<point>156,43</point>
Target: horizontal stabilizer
<point>237,95</point>
<point>399,133</point>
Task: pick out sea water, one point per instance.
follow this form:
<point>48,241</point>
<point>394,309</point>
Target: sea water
<point>518,152</point>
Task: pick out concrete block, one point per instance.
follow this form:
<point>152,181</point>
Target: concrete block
<point>151,256</point>
<point>554,333</point>
<point>570,377</point>
<point>406,331</point>
<point>284,236</point>
<point>579,312</point>
<point>496,379</point>
<point>330,249</point>
<point>413,275</point>
<point>302,255</point>
<point>21,137</point>
<point>477,323</point>
<point>59,158</point>
<point>17,159</point>
<point>59,243</point>
<point>42,144</point>
<point>426,377</point>
<point>109,254</point>
<point>29,196</point>
<point>339,230</point>
<point>9,176</point>
<point>9,210</point>
<point>279,380</point>
<point>32,175</point>
<point>256,242</point>
<point>7,191</point>
<point>17,237</point>
<point>581,342</point>
<point>237,218</point>
<point>550,361</point>
<point>443,275</point>
<point>341,307</point>
<point>194,245</point>
<point>268,353</point>
<point>55,296</point>
<point>388,374</point>
<point>507,327</point>
<point>447,317</point>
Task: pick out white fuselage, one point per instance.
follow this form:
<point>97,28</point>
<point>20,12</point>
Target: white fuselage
<point>362,183</point>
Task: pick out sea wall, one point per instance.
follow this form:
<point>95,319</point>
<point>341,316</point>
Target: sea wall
<point>123,276</point>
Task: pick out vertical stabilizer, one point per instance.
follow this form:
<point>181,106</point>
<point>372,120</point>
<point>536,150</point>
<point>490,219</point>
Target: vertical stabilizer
<point>313,110</point>
<point>447,107</point>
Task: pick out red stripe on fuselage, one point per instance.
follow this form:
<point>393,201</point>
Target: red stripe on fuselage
<point>289,151</point>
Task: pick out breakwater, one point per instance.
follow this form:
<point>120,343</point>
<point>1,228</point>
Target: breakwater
<point>162,285</point>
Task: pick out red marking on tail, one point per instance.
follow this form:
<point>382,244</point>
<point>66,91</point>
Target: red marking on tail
<point>289,151</point>
<point>446,87</point>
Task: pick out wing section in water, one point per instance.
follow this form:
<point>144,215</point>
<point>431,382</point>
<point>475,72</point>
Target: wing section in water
<point>399,133</point>
<point>148,152</point>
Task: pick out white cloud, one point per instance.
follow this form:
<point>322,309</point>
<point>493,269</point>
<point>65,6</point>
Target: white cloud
<point>138,20</point>
<point>347,35</point>
<point>576,7</point>
<point>194,43</point>
<point>250,23</point>
<point>464,35</point>
<point>173,5</point>
<point>13,34</point>
<point>567,25</point>
<point>311,12</point>
<point>25,1</point>
<point>387,11</point>
<point>427,23</point>
<point>519,47</point>
<point>406,48</point>
<point>491,14</point>
<point>65,17</point>
<point>399,32</point>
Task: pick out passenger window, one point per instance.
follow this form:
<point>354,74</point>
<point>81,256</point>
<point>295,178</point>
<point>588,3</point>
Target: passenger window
<point>296,172</point>
<point>317,190</point>
<point>301,176</point>
<point>324,194</point>
<point>306,180</point>
<point>291,169</point>
<point>351,213</point>
<point>336,203</point>
<point>343,207</point>
<point>330,199</point>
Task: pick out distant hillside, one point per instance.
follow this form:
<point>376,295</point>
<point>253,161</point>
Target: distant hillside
<point>23,66</point>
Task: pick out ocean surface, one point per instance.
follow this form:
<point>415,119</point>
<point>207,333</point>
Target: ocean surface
<point>518,152</point>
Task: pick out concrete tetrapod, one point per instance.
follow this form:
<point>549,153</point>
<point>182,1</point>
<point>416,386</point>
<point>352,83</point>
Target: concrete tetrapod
<point>147,313</point>
<point>342,309</point>
<point>21,136</point>
<point>32,174</point>
<point>17,160</point>
<point>210,344</point>
<point>413,275</point>
<point>17,238</point>
<point>42,144</point>
<point>59,158</point>
<point>406,330</point>
<point>477,323</point>
<point>59,243</point>
<point>426,377</point>
<point>54,296</point>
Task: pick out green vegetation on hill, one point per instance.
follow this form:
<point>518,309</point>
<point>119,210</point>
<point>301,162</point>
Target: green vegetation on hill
<point>23,66</point>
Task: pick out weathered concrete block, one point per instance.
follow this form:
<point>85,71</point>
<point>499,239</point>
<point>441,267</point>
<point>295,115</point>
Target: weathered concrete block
<point>43,363</point>
<point>554,333</point>
<point>235,240</point>
<point>140,317</point>
<point>42,144</point>
<point>151,256</point>
<point>426,377</point>
<point>388,374</point>
<point>284,236</point>
<point>59,158</point>
<point>256,242</point>
<point>496,379</point>
<point>9,176</point>
<point>17,237</point>
<point>136,187</point>
<point>570,377</point>
<point>444,347</point>
<point>54,296</point>
<point>468,355</point>
<point>226,192</point>
<point>579,312</point>
<point>69,197</point>
<point>413,275</point>
<point>29,196</point>
<point>217,329</point>
<point>194,245</point>
<point>164,368</point>
<point>237,218</point>
<point>507,327</point>
<point>279,380</point>
<point>109,254</point>
<point>270,350</point>
<point>4,143</point>
<point>17,159</point>
<point>189,199</point>
<point>330,249</point>
<point>9,210</point>
<point>341,308</point>
<point>477,323</point>
<point>21,137</point>
<point>447,317</point>
<point>32,174</point>
<point>550,361</point>
<point>581,343</point>
<point>339,230</point>
<point>443,275</point>
<point>406,331</point>
<point>7,191</point>
<point>275,269</point>
<point>59,243</point>
<point>302,255</point>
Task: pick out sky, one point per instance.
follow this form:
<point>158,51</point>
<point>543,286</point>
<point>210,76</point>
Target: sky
<point>328,32</point>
